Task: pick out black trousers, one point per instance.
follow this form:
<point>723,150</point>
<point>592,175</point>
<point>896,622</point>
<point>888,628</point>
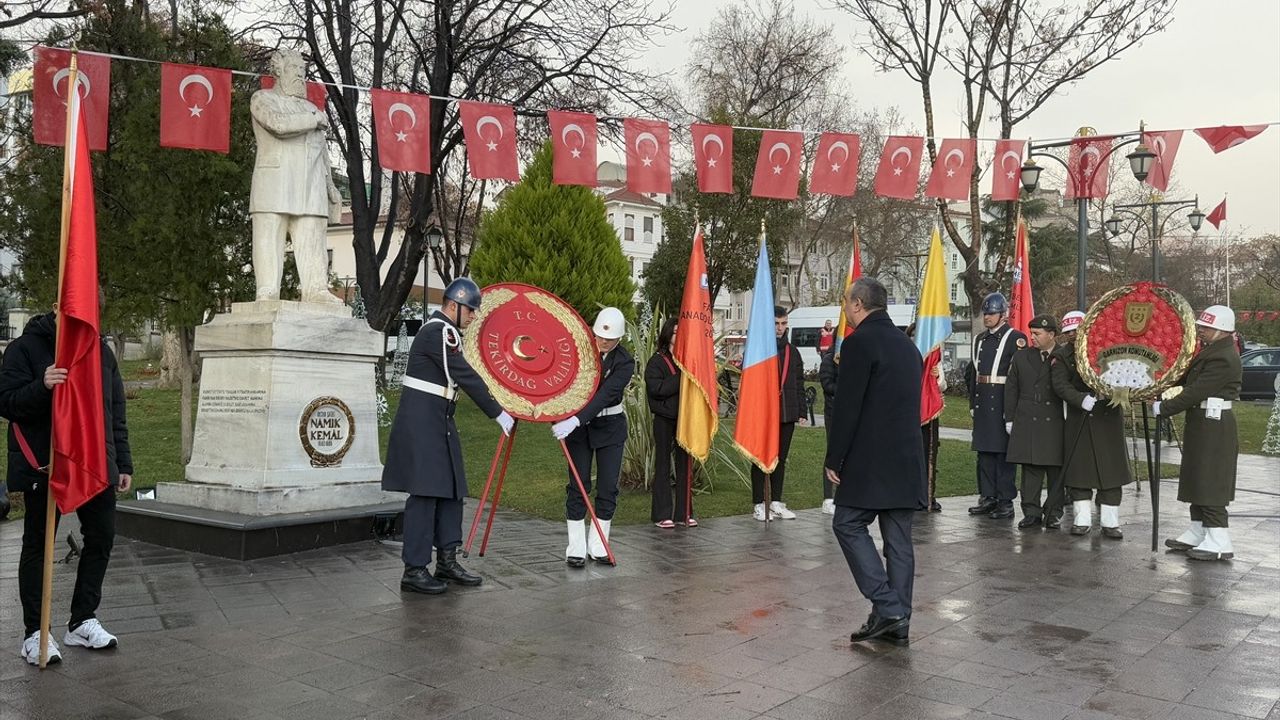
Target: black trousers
<point>888,585</point>
<point>608,460</point>
<point>929,436</point>
<point>1109,496</point>
<point>98,525</point>
<point>828,490</point>
<point>1033,478</point>
<point>664,446</point>
<point>1213,516</point>
<point>430,522</point>
<point>779,475</point>
<point>996,477</point>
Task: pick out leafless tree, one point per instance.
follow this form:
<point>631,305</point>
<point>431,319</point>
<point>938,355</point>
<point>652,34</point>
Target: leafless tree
<point>14,13</point>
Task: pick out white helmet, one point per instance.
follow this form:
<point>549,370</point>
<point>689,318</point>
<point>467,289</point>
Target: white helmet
<point>610,324</point>
<point>1071,321</point>
<point>1218,317</point>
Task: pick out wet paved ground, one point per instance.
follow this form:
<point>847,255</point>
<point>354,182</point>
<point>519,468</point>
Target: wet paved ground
<point>729,620</point>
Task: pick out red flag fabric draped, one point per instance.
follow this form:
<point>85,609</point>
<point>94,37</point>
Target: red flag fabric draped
<point>778,165</point>
<point>1006,170</point>
<point>1218,215</point>
<point>899,170</point>
<point>1088,171</point>
<point>1165,145</point>
<point>931,400</point>
<point>402,123</point>
<point>79,469</point>
<point>648,155</point>
<point>50,93</point>
<point>1021,306</point>
<point>317,93</point>
<point>951,173</point>
<point>195,108</point>
<point>573,148</point>
<point>1225,137</point>
<point>713,157</point>
<point>835,166</point>
<point>695,353</point>
<point>490,133</point>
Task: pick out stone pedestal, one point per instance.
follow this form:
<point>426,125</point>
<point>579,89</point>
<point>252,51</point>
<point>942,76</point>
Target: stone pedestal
<point>287,417</point>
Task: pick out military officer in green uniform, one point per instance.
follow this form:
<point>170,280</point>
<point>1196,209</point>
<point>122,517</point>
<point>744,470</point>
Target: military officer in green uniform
<point>1093,447</point>
<point>1207,479</point>
<point>1033,419</point>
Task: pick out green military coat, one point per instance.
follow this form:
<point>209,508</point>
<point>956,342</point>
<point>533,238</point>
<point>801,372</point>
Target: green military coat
<point>1209,447</point>
<point>1035,411</point>
<point>1093,443</point>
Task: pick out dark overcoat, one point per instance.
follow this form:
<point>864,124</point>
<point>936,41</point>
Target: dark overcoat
<point>993,351</point>
<point>1093,442</point>
<point>616,368</point>
<point>791,366</point>
<point>1035,411</point>
<point>1209,447</point>
<point>662,385</point>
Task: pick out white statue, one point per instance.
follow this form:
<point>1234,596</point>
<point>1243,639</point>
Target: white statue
<point>292,192</point>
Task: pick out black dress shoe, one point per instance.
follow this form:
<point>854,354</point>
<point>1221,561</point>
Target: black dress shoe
<point>935,506</point>
<point>1052,523</point>
<point>575,562</point>
<point>877,626</point>
<point>899,637</point>
<point>1029,521</point>
<point>1114,533</point>
<point>417,579</point>
<point>984,507</point>
<point>604,560</point>
<point>1177,545</point>
<point>1080,529</point>
<point>1003,511</point>
<point>447,568</point>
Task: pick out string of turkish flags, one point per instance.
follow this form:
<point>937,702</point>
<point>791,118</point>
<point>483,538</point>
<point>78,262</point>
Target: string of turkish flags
<point>195,114</point>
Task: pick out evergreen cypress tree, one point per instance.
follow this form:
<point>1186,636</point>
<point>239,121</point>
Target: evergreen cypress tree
<point>558,238</point>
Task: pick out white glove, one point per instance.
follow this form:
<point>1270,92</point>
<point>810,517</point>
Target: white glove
<point>1088,403</point>
<point>970,412</point>
<point>1155,408</point>
<point>506,422</point>
<point>1008,428</point>
<point>562,429</point>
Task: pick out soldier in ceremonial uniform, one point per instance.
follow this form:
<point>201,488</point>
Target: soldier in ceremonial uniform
<point>424,456</point>
<point>1093,446</point>
<point>992,354</point>
<point>1033,419</point>
<point>1207,478</point>
<point>598,431</point>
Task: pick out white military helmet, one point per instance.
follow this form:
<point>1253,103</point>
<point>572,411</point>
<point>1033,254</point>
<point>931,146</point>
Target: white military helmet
<point>610,324</point>
<point>1218,317</point>
<point>1071,321</point>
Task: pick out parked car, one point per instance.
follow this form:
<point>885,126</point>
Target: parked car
<point>1260,370</point>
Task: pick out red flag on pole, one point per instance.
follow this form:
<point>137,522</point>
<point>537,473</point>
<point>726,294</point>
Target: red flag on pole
<point>490,133</point>
<point>1165,145</point>
<point>402,124</point>
<point>950,177</point>
<point>50,93</point>
<point>648,155</point>
<point>778,165</point>
<point>1021,307</point>
<point>195,108</point>
<point>573,148</point>
<point>1218,215</point>
<point>835,166</point>
<point>1006,170</point>
<point>713,157</point>
<point>1087,176</point>
<point>695,353</point>
<point>1225,137</point>
<point>899,170</point>
<point>317,93</point>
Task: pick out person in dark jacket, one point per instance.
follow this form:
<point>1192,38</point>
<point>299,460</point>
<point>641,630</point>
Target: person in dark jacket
<point>1033,420</point>
<point>876,459</point>
<point>27,380</point>
<point>662,385</point>
<point>424,455</point>
<point>791,410</point>
<point>993,351</point>
<point>828,377</point>
<point>599,432</point>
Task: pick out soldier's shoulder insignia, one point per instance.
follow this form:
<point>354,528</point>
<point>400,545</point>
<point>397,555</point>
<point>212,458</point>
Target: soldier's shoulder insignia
<point>1022,343</point>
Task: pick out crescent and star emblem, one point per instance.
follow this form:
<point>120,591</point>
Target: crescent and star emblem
<point>401,135</point>
<point>202,81</point>
<point>489,120</point>
<point>1161,147</point>
<point>642,137</point>
<point>897,169</point>
<point>517,348</point>
<point>570,129</point>
<point>777,169</point>
<point>712,138</point>
<point>82,80</point>
<point>1017,162</point>
<point>841,146</point>
<point>946,161</point>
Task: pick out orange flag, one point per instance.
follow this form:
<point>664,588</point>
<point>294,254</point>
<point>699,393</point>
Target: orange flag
<point>1021,307</point>
<point>695,353</point>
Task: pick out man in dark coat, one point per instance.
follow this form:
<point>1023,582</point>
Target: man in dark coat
<point>1207,478</point>
<point>875,458</point>
<point>598,431</point>
<point>27,380</point>
<point>993,351</point>
<point>791,410</point>
<point>424,455</point>
<point>1093,456</point>
<point>828,376</point>
<point>1033,419</point>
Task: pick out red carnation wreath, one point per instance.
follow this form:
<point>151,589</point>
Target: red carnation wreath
<point>1136,342</point>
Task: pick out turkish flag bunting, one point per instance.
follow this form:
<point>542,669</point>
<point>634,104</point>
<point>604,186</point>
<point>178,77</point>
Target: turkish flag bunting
<point>953,170</point>
<point>402,123</point>
<point>835,166</point>
<point>1224,137</point>
<point>1087,171</point>
<point>1246,315</point>
<point>1165,146</point>
<point>490,132</point>
<point>317,92</point>
<point>778,165</point>
<point>1006,170</point>
<point>648,155</point>
<point>713,157</point>
<point>573,148</point>
<point>1218,215</point>
<point>195,107</point>
<point>49,95</point>
<point>899,170</point>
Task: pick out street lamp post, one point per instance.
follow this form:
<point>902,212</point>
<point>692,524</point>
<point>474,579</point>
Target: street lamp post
<point>1155,228</point>
<point>435,238</point>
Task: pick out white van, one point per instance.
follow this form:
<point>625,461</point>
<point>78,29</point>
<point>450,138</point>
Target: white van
<point>806,326</point>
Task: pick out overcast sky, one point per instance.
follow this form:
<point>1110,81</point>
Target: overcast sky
<point>1217,64</point>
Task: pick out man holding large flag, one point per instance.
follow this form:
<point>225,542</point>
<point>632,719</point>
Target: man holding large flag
<point>61,390</point>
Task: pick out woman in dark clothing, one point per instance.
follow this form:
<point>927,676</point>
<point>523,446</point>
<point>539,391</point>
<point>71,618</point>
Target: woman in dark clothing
<point>662,385</point>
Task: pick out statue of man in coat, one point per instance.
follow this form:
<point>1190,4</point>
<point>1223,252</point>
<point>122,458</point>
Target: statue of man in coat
<point>292,194</point>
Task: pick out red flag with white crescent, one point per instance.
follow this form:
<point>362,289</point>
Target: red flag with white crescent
<point>1006,170</point>
<point>953,170</point>
<point>1218,214</point>
<point>1165,146</point>
<point>778,165</point>
<point>317,92</point>
<point>1225,137</point>
<point>1086,162</point>
<point>835,165</point>
<point>899,170</point>
<point>490,132</point>
<point>573,148</point>
<point>648,155</point>
<point>713,157</point>
<point>195,107</point>
<point>49,93</point>
<point>402,124</point>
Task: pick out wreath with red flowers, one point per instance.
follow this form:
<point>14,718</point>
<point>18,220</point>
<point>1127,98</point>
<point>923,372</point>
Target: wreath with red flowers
<point>1136,342</point>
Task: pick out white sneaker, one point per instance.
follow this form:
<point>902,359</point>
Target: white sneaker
<point>829,506</point>
<point>31,649</point>
<point>759,513</point>
<point>780,509</point>
<point>90,634</point>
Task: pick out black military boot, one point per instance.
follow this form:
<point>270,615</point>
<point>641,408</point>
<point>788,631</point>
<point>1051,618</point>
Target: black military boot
<point>417,579</point>
<point>1002,511</point>
<point>984,506</point>
<point>447,568</point>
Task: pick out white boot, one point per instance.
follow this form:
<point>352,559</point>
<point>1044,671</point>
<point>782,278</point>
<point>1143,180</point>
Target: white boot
<point>1215,546</point>
<point>576,553</point>
<point>1109,520</point>
<point>1189,539</point>
<point>596,547</point>
<point>1083,511</point>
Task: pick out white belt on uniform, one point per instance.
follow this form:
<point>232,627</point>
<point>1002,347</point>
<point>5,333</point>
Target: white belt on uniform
<point>430,388</point>
<point>612,410</point>
<point>1226,405</point>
